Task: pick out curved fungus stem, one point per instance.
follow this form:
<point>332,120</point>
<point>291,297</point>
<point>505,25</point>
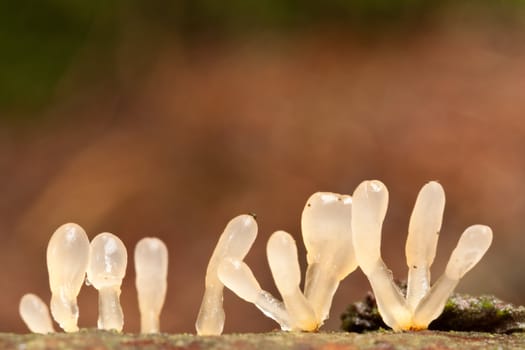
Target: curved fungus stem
<point>67,259</point>
<point>238,277</point>
<point>235,242</point>
<point>423,234</point>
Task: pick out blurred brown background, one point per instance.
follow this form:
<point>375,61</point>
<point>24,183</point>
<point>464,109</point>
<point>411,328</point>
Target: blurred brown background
<point>169,118</point>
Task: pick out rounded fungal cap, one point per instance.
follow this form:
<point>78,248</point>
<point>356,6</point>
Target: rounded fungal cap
<point>425,224</point>
<point>370,202</point>
<point>151,263</point>
<point>472,245</point>
<point>151,274</point>
<point>327,229</point>
<point>235,241</point>
<point>67,259</point>
<point>284,264</point>
<point>107,261</point>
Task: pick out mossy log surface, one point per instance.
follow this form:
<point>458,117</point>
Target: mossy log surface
<point>428,340</point>
<point>463,313</point>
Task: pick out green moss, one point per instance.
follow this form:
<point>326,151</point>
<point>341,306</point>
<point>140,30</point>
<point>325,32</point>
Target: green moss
<point>486,303</point>
<point>461,313</point>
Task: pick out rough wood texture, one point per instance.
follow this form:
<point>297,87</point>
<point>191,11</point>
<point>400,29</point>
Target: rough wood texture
<point>428,340</point>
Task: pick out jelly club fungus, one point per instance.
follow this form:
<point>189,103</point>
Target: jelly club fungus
<point>327,236</point>
<point>67,259</point>
<point>281,251</point>
<point>107,267</point>
<point>422,303</point>
<point>151,269</point>
<point>35,314</point>
<point>235,242</point>
<point>328,239</point>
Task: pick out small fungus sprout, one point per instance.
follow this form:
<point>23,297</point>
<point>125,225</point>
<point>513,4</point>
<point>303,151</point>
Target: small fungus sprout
<point>151,268</point>
<point>35,314</point>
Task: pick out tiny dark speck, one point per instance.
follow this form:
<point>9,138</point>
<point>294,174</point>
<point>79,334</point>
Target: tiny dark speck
<point>308,205</point>
<point>253,215</point>
<point>415,267</point>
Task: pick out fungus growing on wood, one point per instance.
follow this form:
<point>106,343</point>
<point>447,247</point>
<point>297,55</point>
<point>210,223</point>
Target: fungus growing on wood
<point>108,259</point>
<point>326,224</point>
<point>422,239</point>
<point>295,313</point>
<point>151,269</point>
<point>35,314</point>
<point>281,251</point>
<point>235,242</point>
<point>67,259</point>
<point>327,235</point>
<point>422,304</point>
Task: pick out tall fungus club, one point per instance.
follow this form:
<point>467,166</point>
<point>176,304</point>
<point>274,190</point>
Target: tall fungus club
<point>108,259</point>
<point>326,227</point>
<point>67,259</point>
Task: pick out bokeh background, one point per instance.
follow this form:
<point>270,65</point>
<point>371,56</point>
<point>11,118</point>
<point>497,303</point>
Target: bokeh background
<point>168,118</point>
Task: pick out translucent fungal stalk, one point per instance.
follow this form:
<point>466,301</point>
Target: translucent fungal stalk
<point>284,264</point>
<point>35,314</point>
<point>472,245</point>
<point>327,235</point>
<point>423,234</point>
<point>151,267</point>
<point>235,242</point>
<point>238,277</point>
<point>370,201</point>
<point>107,267</point>
<point>67,259</point>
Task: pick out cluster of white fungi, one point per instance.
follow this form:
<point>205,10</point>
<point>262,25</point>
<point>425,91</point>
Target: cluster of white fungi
<point>72,259</point>
<point>340,233</point>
